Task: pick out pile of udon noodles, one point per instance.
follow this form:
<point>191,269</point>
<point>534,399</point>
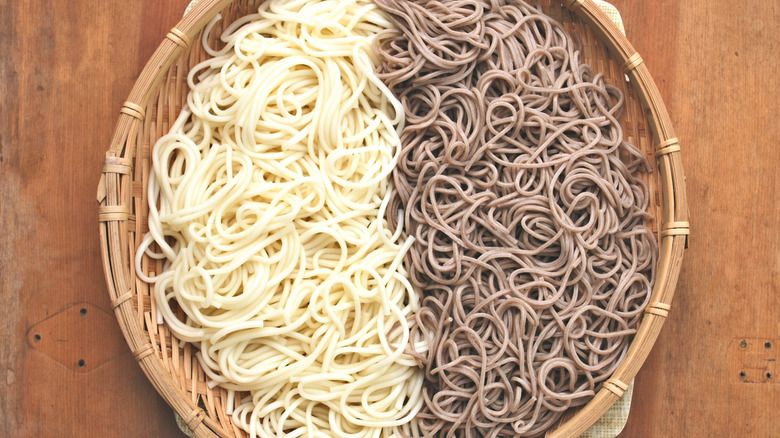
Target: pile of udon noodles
<point>408,218</point>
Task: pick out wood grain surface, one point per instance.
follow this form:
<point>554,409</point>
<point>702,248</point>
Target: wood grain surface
<point>66,68</point>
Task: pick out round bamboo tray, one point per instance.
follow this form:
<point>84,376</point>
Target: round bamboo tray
<point>156,100</point>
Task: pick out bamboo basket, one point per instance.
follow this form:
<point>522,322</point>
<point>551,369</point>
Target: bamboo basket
<point>156,100</point>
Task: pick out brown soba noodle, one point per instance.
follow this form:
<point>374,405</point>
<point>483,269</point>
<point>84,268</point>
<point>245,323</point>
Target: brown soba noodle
<point>531,243</point>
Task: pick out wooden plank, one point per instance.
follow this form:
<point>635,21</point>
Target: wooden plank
<point>65,69</point>
<point>716,64</point>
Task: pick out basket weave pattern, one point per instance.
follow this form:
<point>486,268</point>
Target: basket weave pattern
<point>156,101</point>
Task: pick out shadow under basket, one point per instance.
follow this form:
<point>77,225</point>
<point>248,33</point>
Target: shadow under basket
<point>157,99</point>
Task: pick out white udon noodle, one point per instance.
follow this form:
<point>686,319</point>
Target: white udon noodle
<point>272,186</point>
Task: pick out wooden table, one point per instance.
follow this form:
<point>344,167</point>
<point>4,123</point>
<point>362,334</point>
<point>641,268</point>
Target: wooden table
<point>66,67</point>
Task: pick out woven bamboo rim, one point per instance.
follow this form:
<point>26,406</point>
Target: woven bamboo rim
<point>149,110</point>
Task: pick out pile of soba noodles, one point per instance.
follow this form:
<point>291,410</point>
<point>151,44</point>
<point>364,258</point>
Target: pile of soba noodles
<point>400,218</point>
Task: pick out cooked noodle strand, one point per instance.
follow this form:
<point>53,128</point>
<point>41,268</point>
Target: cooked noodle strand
<point>531,245</point>
<point>272,187</point>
